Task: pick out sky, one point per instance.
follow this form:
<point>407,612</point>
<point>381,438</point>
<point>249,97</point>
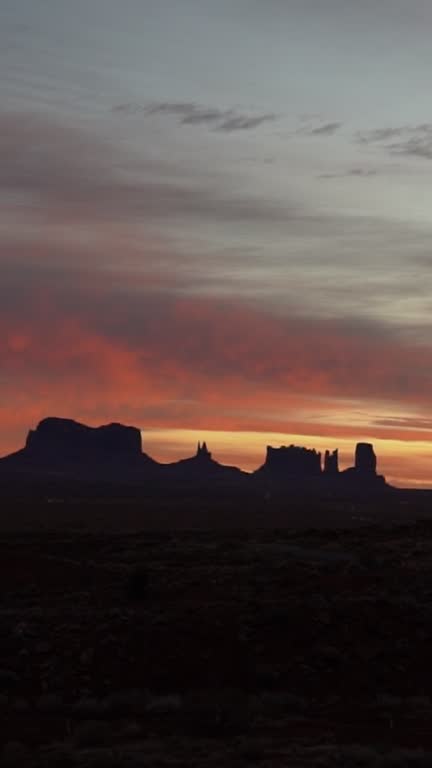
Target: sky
<point>216,223</point>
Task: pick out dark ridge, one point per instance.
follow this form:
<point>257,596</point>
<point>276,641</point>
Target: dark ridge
<point>64,454</point>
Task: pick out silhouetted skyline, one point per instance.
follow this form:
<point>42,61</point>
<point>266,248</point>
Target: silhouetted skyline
<point>75,458</point>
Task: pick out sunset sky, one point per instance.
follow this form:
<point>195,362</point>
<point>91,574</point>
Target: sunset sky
<point>216,223</point>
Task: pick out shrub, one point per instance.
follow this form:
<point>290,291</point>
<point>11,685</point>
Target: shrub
<point>137,583</point>
<point>92,733</point>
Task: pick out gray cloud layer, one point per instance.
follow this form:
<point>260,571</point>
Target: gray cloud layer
<point>59,183</point>
<point>45,163</point>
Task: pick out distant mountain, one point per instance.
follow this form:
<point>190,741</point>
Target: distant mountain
<point>62,454</point>
<point>65,440</point>
<point>291,462</point>
<point>363,473</point>
<point>202,468</point>
<point>65,453</point>
<point>300,469</point>
<point>66,448</point>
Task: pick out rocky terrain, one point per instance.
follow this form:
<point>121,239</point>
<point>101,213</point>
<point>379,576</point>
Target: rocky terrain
<point>221,647</point>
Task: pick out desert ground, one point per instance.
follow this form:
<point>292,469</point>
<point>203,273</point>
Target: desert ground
<point>136,645</point>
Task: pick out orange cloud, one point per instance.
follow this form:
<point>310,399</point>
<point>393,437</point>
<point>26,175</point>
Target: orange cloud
<point>208,365</point>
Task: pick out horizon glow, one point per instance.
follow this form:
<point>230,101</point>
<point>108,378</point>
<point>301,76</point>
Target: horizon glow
<point>247,450</point>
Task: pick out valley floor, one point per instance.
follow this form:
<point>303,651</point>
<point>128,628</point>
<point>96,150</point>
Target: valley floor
<point>268,647</point>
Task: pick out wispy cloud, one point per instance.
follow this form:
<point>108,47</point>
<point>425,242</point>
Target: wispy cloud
<point>189,113</point>
<point>415,146</point>
<point>405,422</point>
<point>409,140</point>
<point>377,135</point>
<point>314,127</point>
<point>329,129</point>
<point>362,173</point>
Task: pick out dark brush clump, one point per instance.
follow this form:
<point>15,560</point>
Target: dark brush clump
<point>137,584</point>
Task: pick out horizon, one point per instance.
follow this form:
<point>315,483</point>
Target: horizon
<point>228,448</point>
<point>216,218</point>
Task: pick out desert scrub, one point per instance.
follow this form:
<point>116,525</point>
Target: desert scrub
<point>218,711</point>
<point>278,704</point>
<point>15,755</point>
<point>137,583</point>
<point>92,733</point>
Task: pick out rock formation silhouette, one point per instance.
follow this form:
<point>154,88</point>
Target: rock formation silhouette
<point>363,474</point>
<point>66,440</point>
<point>66,456</point>
<point>293,461</point>
<point>201,467</point>
<point>65,451</point>
<point>365,459</point>
<point>203,453</point>
<point>299,470</point>
<point>331,462</point>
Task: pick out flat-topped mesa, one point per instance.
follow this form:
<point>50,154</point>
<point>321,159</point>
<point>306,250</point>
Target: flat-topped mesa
<point>331,462</point>
<point>293,461</point>
<point>65,440</point>
<point>365,459</point>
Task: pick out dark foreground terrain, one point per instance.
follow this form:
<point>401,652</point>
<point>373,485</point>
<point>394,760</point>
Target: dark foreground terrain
<point>270,646</point>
